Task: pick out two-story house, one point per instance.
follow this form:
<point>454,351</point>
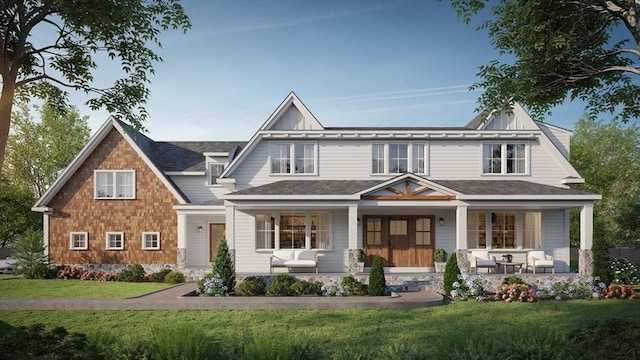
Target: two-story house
<point>500,183</point>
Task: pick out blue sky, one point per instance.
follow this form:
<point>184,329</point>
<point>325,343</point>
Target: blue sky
<point>353,63</point>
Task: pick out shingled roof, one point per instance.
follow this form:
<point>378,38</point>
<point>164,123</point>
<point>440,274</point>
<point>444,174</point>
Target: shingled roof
<point>187,155</point>
<point>505,187</point>
<point>310,187</point>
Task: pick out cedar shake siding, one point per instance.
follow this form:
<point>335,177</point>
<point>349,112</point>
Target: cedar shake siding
<point>76,210</point>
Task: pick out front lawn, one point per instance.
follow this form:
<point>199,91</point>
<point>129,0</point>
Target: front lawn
<point>13,287</point>
<point>459,330</point>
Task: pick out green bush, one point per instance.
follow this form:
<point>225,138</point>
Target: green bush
<point>35,342</point>
<point>223,265</point>
<point>440,255</point>
<point>513,280</point>
<point>282,349</point>
<point>303,287</point>
<point>622,271</point>
<point>133,273</point>
<point>377,282</point>
<point>351,286</point>
<point>608,339</point>
<point>30,258</point>
<point>174,277</point>
<point>600,253</point>
<point>159,276</point>
<point>281,285</point>
<point>451,272</point>
<point>252,286</point>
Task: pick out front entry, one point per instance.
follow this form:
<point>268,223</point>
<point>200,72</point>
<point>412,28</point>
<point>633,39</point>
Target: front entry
<point>216,232</point>
<point>401,240</point>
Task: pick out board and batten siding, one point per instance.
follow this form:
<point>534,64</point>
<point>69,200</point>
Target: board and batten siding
<point>555,237</point>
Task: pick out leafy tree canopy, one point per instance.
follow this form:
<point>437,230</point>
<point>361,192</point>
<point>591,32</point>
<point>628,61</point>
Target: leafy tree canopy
<point>78,30</point>
<point>575,49</point>
<point>16,216</point>
<point>38,150</point>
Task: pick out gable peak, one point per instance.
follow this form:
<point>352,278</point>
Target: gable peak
<point>292,114</point>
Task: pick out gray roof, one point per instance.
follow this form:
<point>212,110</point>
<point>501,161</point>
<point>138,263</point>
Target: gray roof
<point>187,155</point>
<point>505,187</point>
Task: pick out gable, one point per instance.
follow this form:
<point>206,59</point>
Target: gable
<point>515,118</point>
<point>408,187</point>
<point>292,114</point>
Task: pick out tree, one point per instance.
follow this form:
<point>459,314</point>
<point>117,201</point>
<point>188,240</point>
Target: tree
<point>31,260</point>
<point>223,265</point>
<point>16,216</point>
<point>377,282</point>
<point>451,272</point>
<point>607,155</point>
<point>38,151</point>
<point>79,30</point>
<point>576,49</point>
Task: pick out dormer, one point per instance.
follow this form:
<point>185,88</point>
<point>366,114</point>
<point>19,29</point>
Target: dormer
<point>216,162</point>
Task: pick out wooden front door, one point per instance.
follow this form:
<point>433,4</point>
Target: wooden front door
<point>401,241</point>
<point>216,232</point>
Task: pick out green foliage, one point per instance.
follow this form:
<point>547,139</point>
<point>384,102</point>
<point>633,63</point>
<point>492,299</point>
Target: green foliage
<point>30,258</point>
<point>377,282</point>
<point>159,276</point>
<point>174,277</point>
<point>281,285</point>
<point>600,253</point>
<point>303,287</point>
<point>622,271</point>
<point>268,348</point>
<point>451,272</point>
<point>608,339</point>
<point>252,286</point>
<point>513,280</point>
<point>35,342</point>
<point>362,256</point>
<point>440,255</point>
<point>223,265</point>
<point>133,273</point>
<point>351,286</point>
<point>193,343</point>
<point>559,50</point>
<point>16,216</point>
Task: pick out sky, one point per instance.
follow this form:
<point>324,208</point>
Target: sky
<point>352,63</point>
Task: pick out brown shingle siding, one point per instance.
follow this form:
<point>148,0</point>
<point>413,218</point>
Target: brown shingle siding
<point>75,209</point>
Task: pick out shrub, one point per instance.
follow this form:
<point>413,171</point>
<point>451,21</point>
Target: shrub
<point>517,292</point>
<point>451,273</point>
<point>600,260</point>
<point>174,277</point>
<point>351,286</point>
<point>377,282</point>
<point>29,254</point>
<point>223,265</point>
<point>304,287</point>
<point>615,291</point>
<point>133,273</point>
<point>281,285</point>
<point>513,280</point>
<point>622,271</point>
<point>212,285</point>
<point>35,342</point>
<point>266,348</point>
<point>576,289</point>
<point>469,286</point>
<point>331,288</point>
<point>362,256</point>
<point>159,276</point>
<point>440,255</point>
<point>252,286</point>
<point>70,272</point>
<point>615,338</point>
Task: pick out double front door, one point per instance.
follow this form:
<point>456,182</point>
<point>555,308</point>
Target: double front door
<point>401,240</point>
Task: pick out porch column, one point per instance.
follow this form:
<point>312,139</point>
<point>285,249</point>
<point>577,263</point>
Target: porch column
<point>230,230</point>
<point>181,260</point>
<point>461,238</point>
<point>45,232</point>
<point>352,255</point>
<point>585,259</point>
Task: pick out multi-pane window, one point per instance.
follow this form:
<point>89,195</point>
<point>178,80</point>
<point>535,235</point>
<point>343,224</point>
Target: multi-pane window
<point>374,231</point>
<point>503,158</point>
<point>151,240</point>
<point>423,231</point>
<point>215,170</point>
<point>504,230</point>
<point>79,241</point>
<point>115,241</point>
<point>303,156</point>
<point>296,230</point>
<point>476,230</point>
<point>398,158</point>
<point>397,227</point>
<point>118,184</point>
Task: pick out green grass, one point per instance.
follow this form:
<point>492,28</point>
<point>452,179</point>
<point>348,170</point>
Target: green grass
<point>360,331</point>
<point>12,287</point>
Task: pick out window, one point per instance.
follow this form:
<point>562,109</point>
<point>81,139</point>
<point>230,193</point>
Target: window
<point>115,241</point>
<point>397,227</point>
<point>531,230</point>
<point>79,241</point>
<point>214,173</point>
<point>374,231</point>
<point>504,158</point>
<point>295,230</point>
<point>398,158</point>
<point>503,230</point>
<point>423,231</point>
<point>119,184</point>
<point>151,240</point>
<point>476,230</point>
<point>303,155</point>
<point>265,231</point>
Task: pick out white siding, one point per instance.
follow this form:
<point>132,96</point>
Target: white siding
<point>198,242</point>
<point>196,189</point>
<point>555,237</point>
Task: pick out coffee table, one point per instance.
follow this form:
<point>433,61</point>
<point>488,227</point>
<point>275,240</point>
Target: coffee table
<point>513,264</point>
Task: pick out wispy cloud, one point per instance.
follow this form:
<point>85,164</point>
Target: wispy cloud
<point>395,95</point>
<point>404,107</point>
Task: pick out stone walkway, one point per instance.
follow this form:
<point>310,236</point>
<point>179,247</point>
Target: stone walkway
<point>173,299</point>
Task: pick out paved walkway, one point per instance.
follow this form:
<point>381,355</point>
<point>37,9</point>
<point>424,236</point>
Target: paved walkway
<point>173,299</point>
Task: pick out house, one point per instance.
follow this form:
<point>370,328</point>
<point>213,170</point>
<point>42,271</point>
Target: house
<point>500,183</point>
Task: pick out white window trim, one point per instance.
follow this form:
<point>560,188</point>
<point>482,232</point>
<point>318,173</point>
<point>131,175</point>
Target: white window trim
<point>307,238</point>
<point>144,242</point>
<point>503,163</point>
<point>519,230</point>
<point>208,173</point>
<point>86,240</point>
<point>114,233</point>
<point>410,145</point>
<point>114,172</point>
<point>292,158</point>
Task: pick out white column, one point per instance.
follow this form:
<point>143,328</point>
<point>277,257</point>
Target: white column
<point>230,225</point>
<point>353,227</point>
<point>461,227</point>
<point>182,231</point>
<point>586,227</point>
<point>45,232</point>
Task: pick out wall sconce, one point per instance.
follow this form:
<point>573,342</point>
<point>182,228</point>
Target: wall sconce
<point>200,228</point>
<point>441,221</point>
